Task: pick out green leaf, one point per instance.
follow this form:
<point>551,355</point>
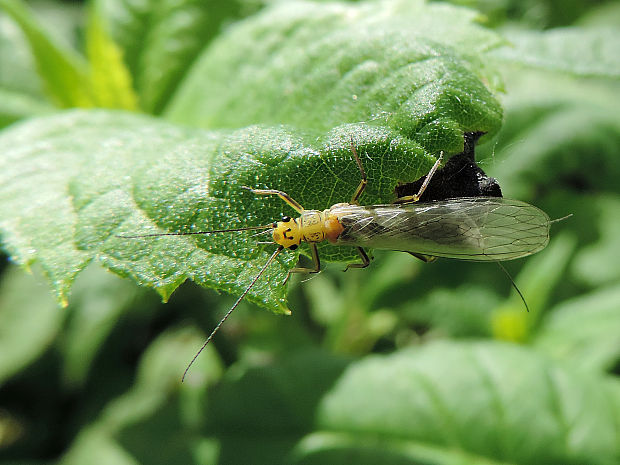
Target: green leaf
<point>161,39</point>
<point>321,65</point>
<point>464,403</point>
<point>17,72</point>
<point>465,311</point>
<point>69,80</point>
<point>148,176</point>
<point>444,403</point>
<point>277,403</point>
<point>559,130</point>
<point>62,71</point>
<point>80,178</point>
<point>601,15</point>
<point>584,331</point>
<point>157,406</point>
<point>110,79</point>
<point>597,263</point>
<point>17,105</point>
<point>579,51</point>
<point>99,299</point>
<point>20,93</point>
<point>29,321</point>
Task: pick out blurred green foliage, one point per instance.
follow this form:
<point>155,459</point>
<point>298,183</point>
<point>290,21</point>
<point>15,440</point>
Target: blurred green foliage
<point>401,363</point>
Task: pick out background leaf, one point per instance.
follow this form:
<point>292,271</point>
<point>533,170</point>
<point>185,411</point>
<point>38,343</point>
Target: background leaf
<point>420,391</point>
<point>161,39</point>
<point>30,320</point>
<point>20,88</point>
<point>595,264</point>
<point>584,330</point>
<point>99,301</point>
<point>418,414</point>
<point>110,79</point>
<point>568,50</point>
<point>141,411</point>
<point>62,71</point>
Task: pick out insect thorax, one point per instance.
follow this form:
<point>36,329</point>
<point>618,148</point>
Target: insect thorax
<point>311,225</point>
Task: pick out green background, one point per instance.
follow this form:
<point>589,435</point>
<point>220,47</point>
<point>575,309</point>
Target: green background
<point>125,117</point>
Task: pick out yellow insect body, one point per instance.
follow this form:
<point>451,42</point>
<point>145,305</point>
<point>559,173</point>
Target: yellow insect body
<point>311,225</point>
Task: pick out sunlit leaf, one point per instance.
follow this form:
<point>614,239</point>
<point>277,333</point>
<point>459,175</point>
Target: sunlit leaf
<point>95,175</point>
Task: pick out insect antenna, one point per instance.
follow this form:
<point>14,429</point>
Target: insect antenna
<point>225,317</point>
<point>512,281</point>
<point>195,233</point>
<point>259,233</point>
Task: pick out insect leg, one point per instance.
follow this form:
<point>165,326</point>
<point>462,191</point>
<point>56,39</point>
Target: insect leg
<point>316,261</point>
<point>363,256</point>
<point>424,258</point>
<point>416,197</point>
<point>283,195</point>
<point>363,182</point>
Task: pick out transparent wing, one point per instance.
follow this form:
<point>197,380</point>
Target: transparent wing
<point>470,228</point>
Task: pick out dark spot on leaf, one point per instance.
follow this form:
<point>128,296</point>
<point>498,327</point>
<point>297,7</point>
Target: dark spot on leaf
<point>459,177</point>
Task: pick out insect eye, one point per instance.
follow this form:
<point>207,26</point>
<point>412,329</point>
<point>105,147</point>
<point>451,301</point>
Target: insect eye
<point>274,225</point>
<point>286,219</point>
<point>293,247</point>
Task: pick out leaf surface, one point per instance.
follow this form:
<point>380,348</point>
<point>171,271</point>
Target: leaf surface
<point>443,403</point>
<point>561,116</point>
<point>584,331</point>
<point>463,403</point>
<point>20,93</point>
<point>62,71</point>
<point>29,321</point>
<point>161,39</point>
<point>316,66</point>
<point>578,51</point>
<point>73,181</point>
